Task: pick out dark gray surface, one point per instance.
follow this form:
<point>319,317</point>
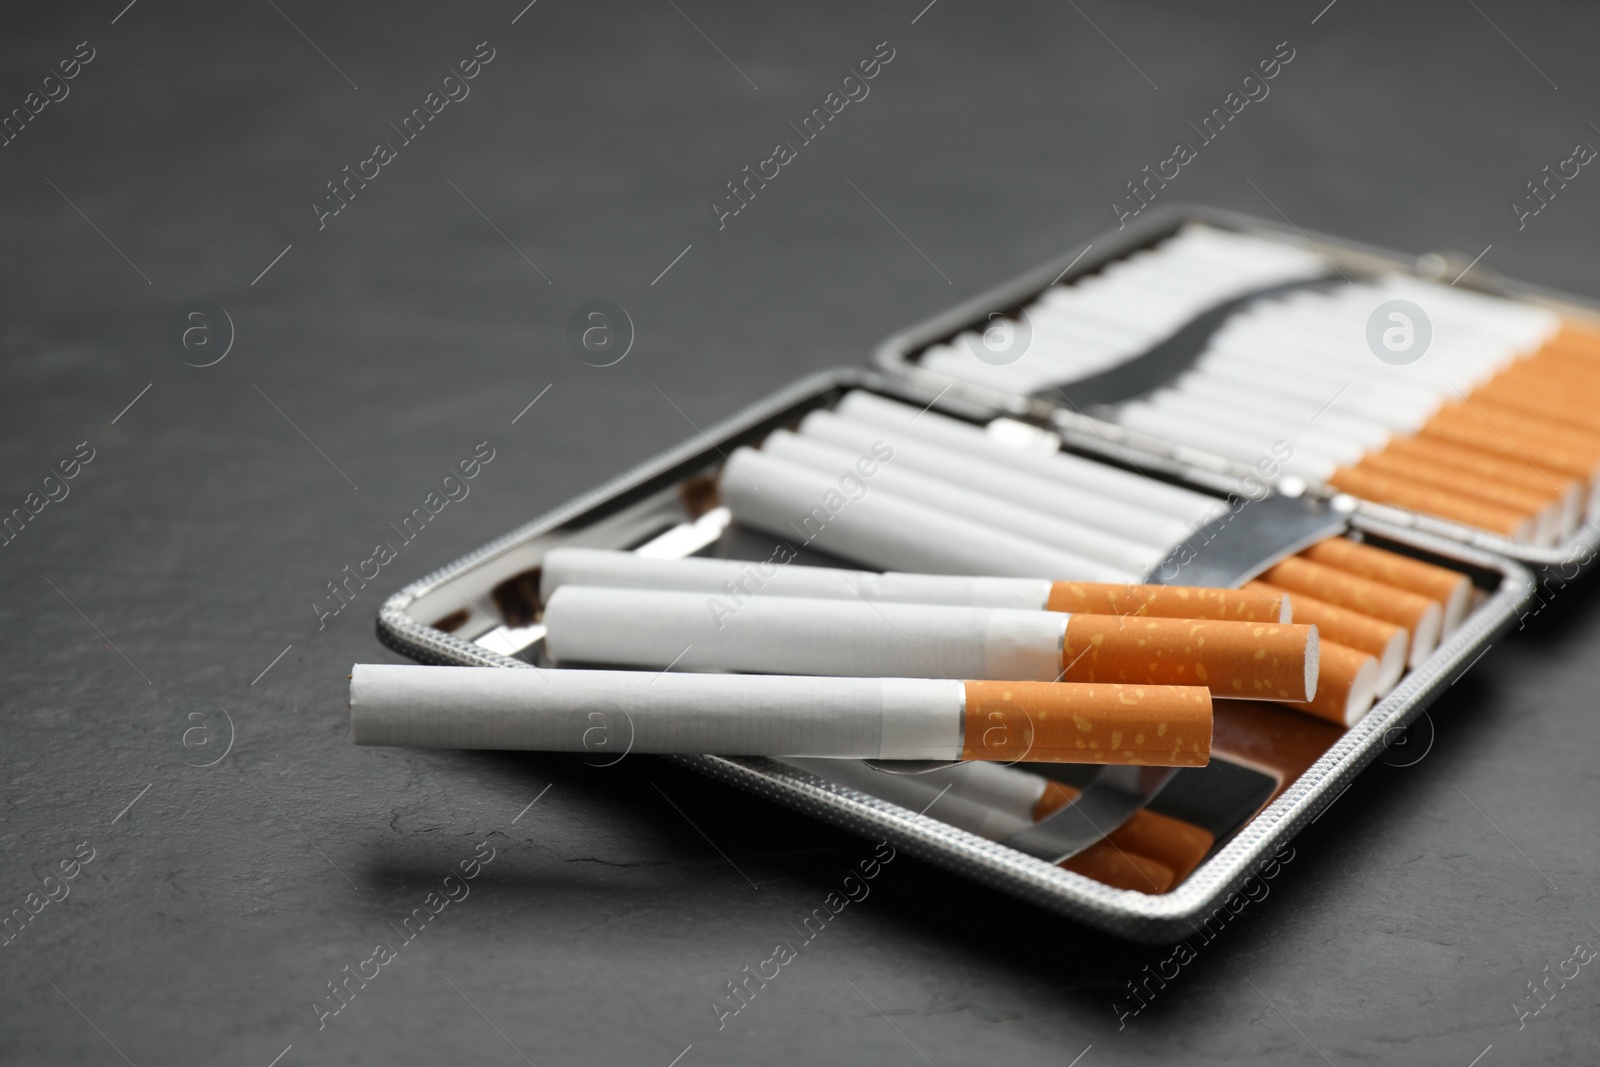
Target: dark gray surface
<point>218,906</point>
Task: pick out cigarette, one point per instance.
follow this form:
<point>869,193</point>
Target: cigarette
<point>856,638</point>
<point>1452,589</point>
<point>880,529</point>
<point>774,715</point>
<point>734,581</point>
<point>999,511</point>
<point>1421,616</point>
<point>1060,467</point>
<point>1385,488</point>
<point>1136,528</point>
<point>1346,687</point>
<point>1171,602</point>
<point>1384,641</point>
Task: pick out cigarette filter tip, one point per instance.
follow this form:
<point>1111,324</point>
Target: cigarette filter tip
<point>1140,725</point>
<point>1247,660</point>
<point>1167,602</point>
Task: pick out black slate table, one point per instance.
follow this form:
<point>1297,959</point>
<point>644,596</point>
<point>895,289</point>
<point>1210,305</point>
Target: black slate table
<point>162,615</point>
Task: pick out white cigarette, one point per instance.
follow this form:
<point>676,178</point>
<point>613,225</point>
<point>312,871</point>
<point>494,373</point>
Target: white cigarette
<point>798,635</point>
<point>667,629</point>
<point>737,580</point>
<point>614,713</point>
<point>882,530</point>
<point>734,581</point>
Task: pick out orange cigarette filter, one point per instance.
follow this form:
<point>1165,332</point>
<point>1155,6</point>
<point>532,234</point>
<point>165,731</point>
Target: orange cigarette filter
<point>1577,336</point>
<point>1384,641</point>
<point>1248,660</point>
<point>1558,348</point>
<point>1347,687</point>
<point>1480,464</point>
<point>1136,854</point>
<point>1167,602</point>
<point>1571,371</point>
<point>1452,589</point>
<point>1385,488</point>
<point>1545,387</point>
<point>1121,869</point>
<point>1569,384</point>
<point>1140,725</point>
<point>1535,426</point>
<point>1460,422</point>
<point>1551,398</point>
<point>1420,615</point>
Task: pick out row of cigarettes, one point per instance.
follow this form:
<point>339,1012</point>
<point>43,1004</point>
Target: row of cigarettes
<point>1075,330</point>
<point>884,484</point>
<point>1519,455</point>
<point>829,663</point>
<point>1493,426</point>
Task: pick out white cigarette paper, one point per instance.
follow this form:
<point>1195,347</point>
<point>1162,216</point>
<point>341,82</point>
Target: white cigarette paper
<point>611,713</point>
<point>735,581</point>
<point>1059,467</point>
<point>797,635</point>
<point>880,529</point>
<point>932,487</point>
<point>1123,534</point>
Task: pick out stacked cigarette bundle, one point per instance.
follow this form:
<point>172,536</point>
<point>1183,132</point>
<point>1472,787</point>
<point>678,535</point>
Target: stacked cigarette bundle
<point>1376,611</point>
<point>1518,455</point>
<point>1492,425</point>
<point>618,712</point>
<point>1476,431</point>
<point>1101,320</point>
<point>888,485</point>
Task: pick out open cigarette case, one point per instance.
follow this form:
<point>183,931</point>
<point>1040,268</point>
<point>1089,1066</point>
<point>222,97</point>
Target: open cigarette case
<point>1273,770</point>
